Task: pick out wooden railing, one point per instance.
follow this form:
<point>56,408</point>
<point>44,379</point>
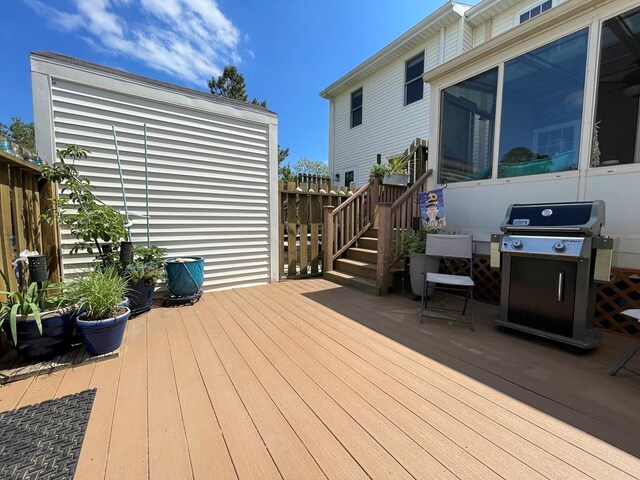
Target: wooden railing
<point>346,223</point>
<point>23,195</point>
<point>300,227</point>
<point>395,220</point>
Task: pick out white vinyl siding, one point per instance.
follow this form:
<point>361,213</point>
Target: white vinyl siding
<point>431,53</point>
<point>508,19</point>
<point>388,125</point>
<point>209,176</point>
<point>467,39</point>
<point>479,34</point>
<point>451,42</point>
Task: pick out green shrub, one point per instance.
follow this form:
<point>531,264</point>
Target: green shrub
<point>148,265</point>
<point>97,293</point>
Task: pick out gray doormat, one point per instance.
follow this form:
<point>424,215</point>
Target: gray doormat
<point>43,441</point>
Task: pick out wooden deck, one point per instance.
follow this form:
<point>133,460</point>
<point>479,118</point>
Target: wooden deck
<point>306,379</point>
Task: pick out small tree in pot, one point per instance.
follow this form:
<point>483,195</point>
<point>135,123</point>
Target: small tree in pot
<point>89,219</point>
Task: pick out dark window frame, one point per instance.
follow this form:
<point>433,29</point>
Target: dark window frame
<point>356,112</point>
<point>412,81</point>
<point>534,10</point>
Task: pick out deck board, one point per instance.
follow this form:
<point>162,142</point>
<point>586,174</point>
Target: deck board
<point>248,451</point>
<point>308,379</point>
<point>505,427</point>
<point>207,447</point>
<point>168,451</point>
<point>127,456</point>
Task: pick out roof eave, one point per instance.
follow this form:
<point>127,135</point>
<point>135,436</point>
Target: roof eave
<point>452,10</point>
<point>539,25</point>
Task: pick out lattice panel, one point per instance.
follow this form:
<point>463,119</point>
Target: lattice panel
<point>487,280</point>
<point>621,293</point>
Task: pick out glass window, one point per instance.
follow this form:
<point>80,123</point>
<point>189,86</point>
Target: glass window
<point>356,108</point>
<point>468,115</point>
<point>349,177</point>
<point>616,139</point>
<point>542,101</point>
<point>413,84</point>
<point>535,11</point>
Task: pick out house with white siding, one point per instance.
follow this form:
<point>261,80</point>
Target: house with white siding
<point>522,101</point>
<point>212,163</point>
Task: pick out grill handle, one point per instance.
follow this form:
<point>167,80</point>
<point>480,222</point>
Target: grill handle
<point>560,286</point>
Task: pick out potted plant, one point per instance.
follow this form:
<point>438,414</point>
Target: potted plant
<point>142,274</point>
<point>102,321</point>
<point>36,325</point>
<point>89,220</point>
<point>185,275</point>
<point>379,171</point>
<point>396,172</point>
<point>414,244</point>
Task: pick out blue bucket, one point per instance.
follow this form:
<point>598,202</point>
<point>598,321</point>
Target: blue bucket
<point>185,275</point>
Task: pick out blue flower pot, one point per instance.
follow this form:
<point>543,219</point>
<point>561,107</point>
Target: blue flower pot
<point>103,336</point>
<point>185,275</point>
<point>55,338</point>
<point>140,297</point>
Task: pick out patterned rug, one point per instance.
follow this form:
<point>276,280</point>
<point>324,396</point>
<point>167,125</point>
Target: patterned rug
<point>43,441</point>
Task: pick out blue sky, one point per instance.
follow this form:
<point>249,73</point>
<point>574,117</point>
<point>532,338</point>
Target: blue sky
<point>287,50</point>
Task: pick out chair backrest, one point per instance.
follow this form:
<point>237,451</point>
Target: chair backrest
<point>452,246</point>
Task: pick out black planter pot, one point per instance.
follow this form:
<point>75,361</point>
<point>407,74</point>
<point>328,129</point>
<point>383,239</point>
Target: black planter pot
<point>55,339</point>
<point>140,297</point>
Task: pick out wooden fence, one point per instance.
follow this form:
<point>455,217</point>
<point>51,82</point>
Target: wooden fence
<point>23,196</point>
<point>300,225</point>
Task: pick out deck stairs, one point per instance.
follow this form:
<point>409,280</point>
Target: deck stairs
<point>357,268</point>
<point>363,235</point>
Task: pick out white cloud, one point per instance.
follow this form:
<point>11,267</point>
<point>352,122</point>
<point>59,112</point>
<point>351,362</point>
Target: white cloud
<point>189,39</point>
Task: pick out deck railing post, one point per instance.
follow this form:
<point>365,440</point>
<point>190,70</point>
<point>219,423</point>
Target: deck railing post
<point>328,235</point>
<point>384,246</point>
<point>374,198</point>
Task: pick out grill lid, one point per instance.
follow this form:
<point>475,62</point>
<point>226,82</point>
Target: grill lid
<point>586,218</point>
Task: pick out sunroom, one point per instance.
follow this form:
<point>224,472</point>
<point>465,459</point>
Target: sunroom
<point>546,112</point>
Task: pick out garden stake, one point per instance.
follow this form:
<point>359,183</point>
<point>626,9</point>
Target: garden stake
<point>146,183</point>
<point>124,195</point>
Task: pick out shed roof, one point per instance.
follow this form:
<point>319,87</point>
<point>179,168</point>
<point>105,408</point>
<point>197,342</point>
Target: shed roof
<point>72,61</point>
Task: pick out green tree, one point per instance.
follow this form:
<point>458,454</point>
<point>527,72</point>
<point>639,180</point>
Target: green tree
<point>20,132</point>
<point>230,84</point>
<point>313,167</point>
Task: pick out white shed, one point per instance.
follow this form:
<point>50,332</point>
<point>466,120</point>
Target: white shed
<point>212,163</point>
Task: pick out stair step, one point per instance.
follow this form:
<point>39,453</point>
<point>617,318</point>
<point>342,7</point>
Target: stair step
<point>370,243</point>
<point>354,267</point>
<point>362,254</point>
<point>371,233</point>
<point>360,283</point>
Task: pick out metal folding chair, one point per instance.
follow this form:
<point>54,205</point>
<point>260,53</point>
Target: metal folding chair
<point>452,247</point>
<point>633,314</point>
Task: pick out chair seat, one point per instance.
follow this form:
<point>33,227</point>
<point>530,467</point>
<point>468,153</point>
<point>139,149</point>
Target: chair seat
<point>458,280</point>
<point>633,313</point>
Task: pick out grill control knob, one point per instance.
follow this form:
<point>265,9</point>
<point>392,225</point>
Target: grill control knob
<point>559,247</point>
<point>517,244</point>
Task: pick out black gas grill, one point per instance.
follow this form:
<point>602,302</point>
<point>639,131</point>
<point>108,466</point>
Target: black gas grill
<point>551,255</point>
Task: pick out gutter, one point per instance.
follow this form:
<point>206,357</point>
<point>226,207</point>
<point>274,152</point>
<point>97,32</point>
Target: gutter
<point>535,27</point>
<point>382,55</point>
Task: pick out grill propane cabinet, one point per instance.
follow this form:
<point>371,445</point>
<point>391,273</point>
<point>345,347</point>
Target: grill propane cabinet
<point>552,255</point>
